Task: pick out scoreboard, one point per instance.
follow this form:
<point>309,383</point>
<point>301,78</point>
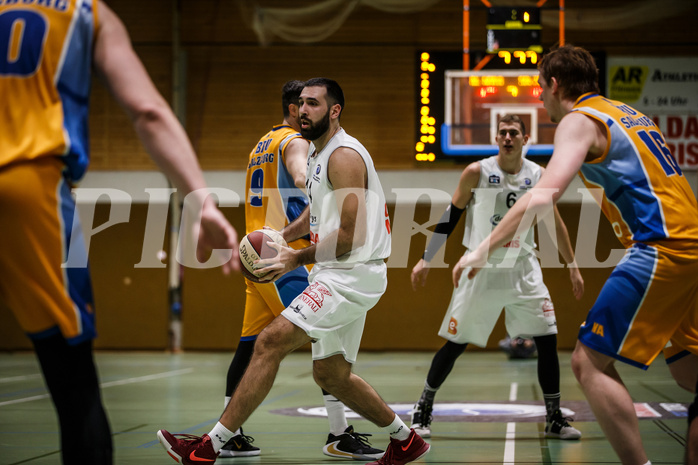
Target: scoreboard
<point>513,28</point>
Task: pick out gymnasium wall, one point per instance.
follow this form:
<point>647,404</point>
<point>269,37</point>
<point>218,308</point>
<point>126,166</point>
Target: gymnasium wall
<point>232,84</point>
<point>231,95</point>
<point>133,311</point>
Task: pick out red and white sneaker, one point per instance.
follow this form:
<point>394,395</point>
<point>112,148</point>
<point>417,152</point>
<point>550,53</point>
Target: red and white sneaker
<point>402,452</point>
<point>190,449</point>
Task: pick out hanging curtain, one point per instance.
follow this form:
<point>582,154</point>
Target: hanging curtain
<point>315,22</point>
<point>616,18</point>
<point>319,20</point>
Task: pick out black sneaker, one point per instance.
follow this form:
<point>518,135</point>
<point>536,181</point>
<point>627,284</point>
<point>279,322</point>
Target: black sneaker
<point>239,446</point>
<point>351,445</point>
<point>558,427</point>
<point>421,418</point>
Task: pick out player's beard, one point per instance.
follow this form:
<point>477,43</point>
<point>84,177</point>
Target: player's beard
<point>316,130</point>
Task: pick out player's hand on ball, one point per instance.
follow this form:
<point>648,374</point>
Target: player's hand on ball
<point>269,270</point>
<point>258,245</point>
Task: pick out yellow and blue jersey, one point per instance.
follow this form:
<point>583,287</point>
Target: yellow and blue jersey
<point>650,301</point>
<point>45,79</point>
<point>646,197</point>
<point>46,51</point>
<point>271,197</point>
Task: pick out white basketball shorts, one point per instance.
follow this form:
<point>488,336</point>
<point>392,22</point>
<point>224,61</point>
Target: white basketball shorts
<point>477,303</point>
<point>332,309</point>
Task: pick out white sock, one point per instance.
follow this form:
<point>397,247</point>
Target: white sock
<point>335,414</point>
<point>648,463</point>
<point>397,429</point>
<point>219,436</point>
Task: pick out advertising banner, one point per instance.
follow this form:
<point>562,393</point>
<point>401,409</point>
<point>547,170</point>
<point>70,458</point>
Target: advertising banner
<point>666,90</point>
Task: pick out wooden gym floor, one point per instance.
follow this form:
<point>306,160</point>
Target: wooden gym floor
<point>487,412</point>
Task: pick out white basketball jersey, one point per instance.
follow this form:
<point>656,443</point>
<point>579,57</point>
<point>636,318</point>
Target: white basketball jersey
<point>324,213</point>
<point>496,193</point>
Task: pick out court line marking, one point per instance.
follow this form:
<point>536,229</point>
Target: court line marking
<point>194,428</point>
<point>509,443</point>
<point>138,379</point>
<point>14,379</point>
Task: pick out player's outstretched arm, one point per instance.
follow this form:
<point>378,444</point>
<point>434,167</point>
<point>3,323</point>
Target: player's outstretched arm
<point>575,137</point>
<point>565,247</point>
<point>158,129</point>
<point>473,261</point>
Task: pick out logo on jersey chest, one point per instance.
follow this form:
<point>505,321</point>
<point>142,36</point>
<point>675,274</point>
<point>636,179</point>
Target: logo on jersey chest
<point>527,184</point>
<point>494,179</point>
<point>316,175</point>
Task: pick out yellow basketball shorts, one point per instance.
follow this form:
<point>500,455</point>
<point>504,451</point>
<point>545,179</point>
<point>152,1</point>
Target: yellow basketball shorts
<point>649,302</point>
<point>37,214</point>
<point>266,301</point>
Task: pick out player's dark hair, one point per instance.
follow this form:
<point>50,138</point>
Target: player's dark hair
<point>335,95</point>
<point>513,119</point>
<point>574,69</point>
<point>289,95</point>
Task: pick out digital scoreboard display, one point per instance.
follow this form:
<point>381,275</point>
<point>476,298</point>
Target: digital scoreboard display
<point>499,88</point>
<point>513,28</point>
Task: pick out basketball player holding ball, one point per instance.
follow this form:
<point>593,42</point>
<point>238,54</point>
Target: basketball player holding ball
<point>274,197</point>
